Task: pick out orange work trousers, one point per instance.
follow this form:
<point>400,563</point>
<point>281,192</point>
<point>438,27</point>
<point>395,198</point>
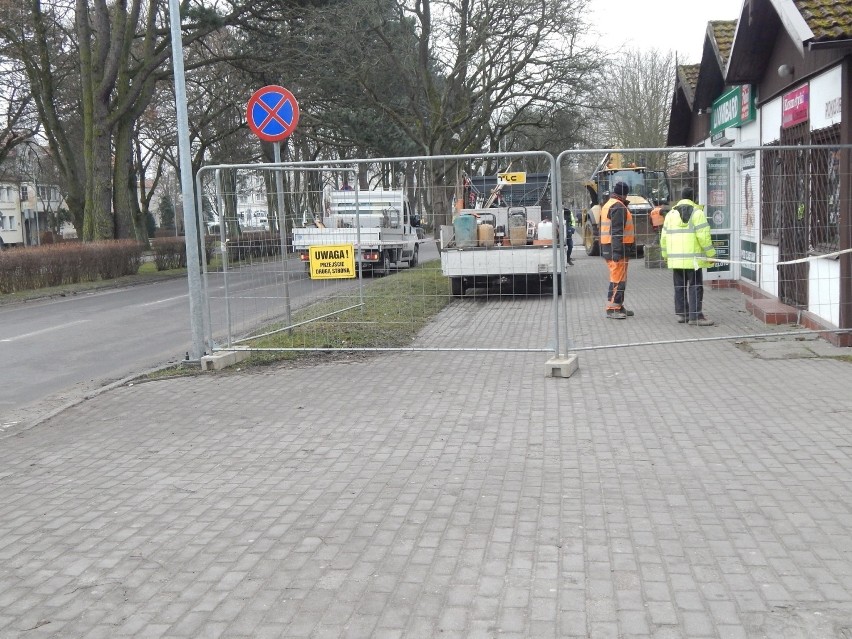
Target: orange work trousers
<point>617,284</point>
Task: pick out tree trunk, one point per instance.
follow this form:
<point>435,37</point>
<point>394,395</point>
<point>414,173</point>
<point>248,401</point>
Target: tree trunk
<point>128,222</point>
<point>99,204</point>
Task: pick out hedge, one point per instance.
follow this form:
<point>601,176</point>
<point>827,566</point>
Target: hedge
<point>28,268</point>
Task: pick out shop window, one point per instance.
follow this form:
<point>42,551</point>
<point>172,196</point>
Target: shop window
<point>824,206</point>
<point>771,187</point>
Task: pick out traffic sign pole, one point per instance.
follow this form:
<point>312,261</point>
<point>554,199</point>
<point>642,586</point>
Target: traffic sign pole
<point>272,114</point>
<point>282,228</point>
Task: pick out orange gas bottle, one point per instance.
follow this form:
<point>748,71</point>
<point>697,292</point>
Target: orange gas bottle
<point>485,234</point>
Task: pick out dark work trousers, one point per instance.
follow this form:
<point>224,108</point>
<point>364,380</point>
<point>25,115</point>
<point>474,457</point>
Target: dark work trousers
<point>617,284</point>
<point>688,292</point>
<point>569,241</point>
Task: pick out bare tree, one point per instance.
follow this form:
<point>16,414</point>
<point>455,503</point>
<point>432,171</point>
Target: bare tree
<point>639,95</point>
<point>455,77</point>
<point>113,55</point>
<point>18,117</point>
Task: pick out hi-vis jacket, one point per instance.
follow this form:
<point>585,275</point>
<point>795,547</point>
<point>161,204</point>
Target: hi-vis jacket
<point>616,229</point>
<point>685,241</point>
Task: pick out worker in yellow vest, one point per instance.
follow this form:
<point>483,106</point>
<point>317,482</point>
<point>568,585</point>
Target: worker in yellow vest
<point>686,246</point>
<point>618,240</point>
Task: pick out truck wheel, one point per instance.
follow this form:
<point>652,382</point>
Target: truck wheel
<point>456,286</point>
<point>513,285</point>
<point>413,261</point>
<point>532,285</point>
<point>590,242</point>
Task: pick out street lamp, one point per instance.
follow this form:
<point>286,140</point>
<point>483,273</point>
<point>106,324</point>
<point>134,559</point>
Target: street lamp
<point>189,218</point>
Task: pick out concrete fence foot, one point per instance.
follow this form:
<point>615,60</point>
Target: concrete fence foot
<point>562,366</point>
<point>222,359</point>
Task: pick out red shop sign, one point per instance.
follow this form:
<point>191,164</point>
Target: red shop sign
<point>794,107</point>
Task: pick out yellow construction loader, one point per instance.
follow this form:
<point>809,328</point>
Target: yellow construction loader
<point>648,200</point>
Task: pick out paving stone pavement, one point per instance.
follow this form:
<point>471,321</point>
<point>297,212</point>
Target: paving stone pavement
<point>698,489</point>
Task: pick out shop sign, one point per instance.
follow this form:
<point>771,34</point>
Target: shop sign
<point>722,244</point>
<point>794,107</point>
<point>748,256</point>
<point>732,109</point>
<point>718,193</point>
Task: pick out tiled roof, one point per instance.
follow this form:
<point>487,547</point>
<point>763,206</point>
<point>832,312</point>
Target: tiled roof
<point>828,19</point>
<point>723,33</point>
<point>689,75</point>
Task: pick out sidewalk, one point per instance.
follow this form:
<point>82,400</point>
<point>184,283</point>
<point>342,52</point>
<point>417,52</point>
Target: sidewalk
<point>446,494</point>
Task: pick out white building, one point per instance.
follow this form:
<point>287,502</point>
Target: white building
<point>776,77</point>
<point>29,198</point>
<point>11,229</point>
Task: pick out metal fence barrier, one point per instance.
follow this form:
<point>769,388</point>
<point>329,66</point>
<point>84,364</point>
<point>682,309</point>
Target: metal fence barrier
<point>469,252</point>
<point>415,253</point>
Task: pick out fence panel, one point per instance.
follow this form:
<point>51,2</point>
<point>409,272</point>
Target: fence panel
<point>775,219</point>
<point>384,254</point>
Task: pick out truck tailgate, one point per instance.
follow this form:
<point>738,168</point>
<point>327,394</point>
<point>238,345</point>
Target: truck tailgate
<point>502,260</point>
<point>304,238</point>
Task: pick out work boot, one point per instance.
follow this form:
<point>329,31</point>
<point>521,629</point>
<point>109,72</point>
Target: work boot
<point>616,314</point>
<point>681,319</point>
<point>701,322</point>
<point>627,311</point>
<point>570,262</point>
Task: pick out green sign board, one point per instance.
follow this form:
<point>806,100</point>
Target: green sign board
<point>722,244</point>
<point>733,108</point>
<point>748,255</point>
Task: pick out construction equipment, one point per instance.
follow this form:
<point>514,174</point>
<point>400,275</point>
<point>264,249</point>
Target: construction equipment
<point>648,200</point>
<point>503,241</point>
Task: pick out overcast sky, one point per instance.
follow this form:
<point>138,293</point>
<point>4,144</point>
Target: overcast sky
<point>677,25</point>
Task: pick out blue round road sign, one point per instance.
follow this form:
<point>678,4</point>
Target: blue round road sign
<point>272,113</point>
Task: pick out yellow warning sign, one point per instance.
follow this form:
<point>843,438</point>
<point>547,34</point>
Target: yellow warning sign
<point>332,262</point>
<point>512,178</point>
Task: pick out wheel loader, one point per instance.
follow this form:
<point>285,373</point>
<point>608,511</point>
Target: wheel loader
<point>648,200</point>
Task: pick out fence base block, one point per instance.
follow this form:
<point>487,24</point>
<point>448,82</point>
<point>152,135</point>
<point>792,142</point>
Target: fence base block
<point>222,359</point>
<point>562,366</point>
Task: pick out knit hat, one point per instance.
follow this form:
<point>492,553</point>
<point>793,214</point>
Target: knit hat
<point>621,188</point>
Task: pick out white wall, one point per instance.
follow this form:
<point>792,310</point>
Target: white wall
<point>824,289</point>
<point>825,108</point>
<point>770,121</point>
<point>768,274</point>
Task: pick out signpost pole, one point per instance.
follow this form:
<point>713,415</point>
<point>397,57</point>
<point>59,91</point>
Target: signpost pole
<point>282,228</point>
<point>189,218</point>
<point>272,114</point>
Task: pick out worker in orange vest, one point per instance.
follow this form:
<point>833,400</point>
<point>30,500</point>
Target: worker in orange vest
<point>618,240</point>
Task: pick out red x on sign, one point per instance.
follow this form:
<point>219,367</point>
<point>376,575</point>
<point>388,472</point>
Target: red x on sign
<point>272,113</point>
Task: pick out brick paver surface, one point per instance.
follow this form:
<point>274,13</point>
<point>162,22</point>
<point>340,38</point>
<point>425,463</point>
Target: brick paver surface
<point>677,490</point>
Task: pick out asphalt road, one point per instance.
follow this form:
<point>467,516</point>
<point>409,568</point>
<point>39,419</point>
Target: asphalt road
<point>56,350</point>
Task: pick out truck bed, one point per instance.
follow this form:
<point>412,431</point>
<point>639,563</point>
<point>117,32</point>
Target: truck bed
<point>498,260</point>
<point>369,237</point>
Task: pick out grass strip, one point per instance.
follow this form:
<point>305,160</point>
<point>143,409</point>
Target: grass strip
<point>395,310</point>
